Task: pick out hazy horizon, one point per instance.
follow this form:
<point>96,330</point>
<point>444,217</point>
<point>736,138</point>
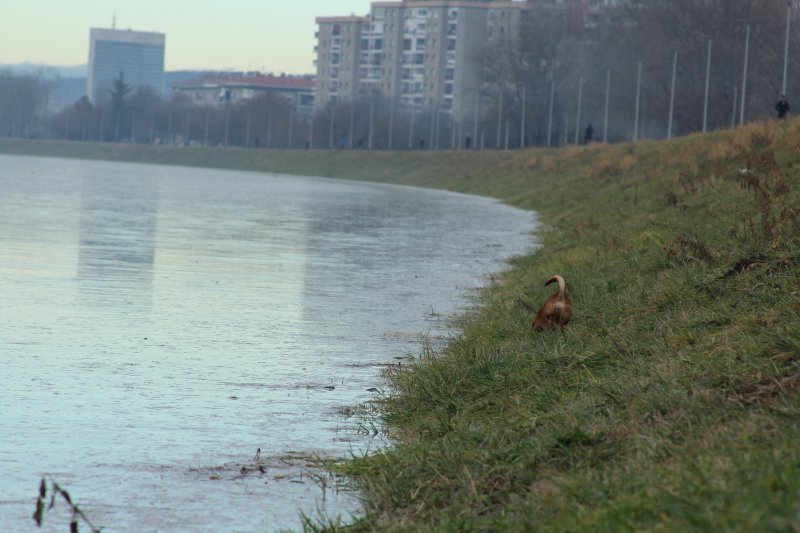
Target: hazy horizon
<point>245,35</point>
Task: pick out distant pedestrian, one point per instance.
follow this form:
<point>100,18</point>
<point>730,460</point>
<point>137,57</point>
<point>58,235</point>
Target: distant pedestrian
<point>587,135</point>
<point>782,107</point>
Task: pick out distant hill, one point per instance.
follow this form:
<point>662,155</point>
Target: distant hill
<point>46,71</point>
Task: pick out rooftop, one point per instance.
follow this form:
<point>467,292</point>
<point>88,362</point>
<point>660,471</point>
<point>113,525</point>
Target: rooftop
<point>271,82</point>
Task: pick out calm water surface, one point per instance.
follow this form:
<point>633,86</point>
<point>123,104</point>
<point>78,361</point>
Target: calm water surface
<point>158,325</point>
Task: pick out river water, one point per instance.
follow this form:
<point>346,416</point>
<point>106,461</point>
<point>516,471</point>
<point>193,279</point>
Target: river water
<point>160,325</point>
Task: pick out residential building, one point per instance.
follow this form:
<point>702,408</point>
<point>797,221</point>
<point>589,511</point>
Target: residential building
<point>338,58</point>
<point>426,55</point>
<point>139,56</point>
<point>233,89</point>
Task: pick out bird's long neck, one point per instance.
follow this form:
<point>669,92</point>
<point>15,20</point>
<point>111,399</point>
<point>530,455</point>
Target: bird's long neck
<point>562,286</point>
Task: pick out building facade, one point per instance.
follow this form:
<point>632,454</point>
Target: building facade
<point>222,91</point>
<point>338,58</point>
<point>422,54</point>
<point>427,55</point>
<point>139,56</point>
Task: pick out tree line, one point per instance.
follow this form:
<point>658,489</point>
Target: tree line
<point>647,69</point>
<point>732,50</point>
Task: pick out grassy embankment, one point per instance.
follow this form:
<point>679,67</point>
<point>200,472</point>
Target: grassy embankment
<point>673,399</point>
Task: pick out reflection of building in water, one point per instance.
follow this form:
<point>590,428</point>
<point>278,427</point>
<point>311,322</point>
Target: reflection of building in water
<point>370,241</point>
<point>117,235</point>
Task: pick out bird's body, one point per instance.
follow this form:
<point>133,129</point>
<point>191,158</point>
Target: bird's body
<point>556,311</point>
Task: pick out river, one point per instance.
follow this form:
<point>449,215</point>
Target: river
<point>176,342</point>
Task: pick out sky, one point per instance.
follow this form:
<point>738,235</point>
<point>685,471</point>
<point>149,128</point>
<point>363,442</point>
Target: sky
<point>266,35</point>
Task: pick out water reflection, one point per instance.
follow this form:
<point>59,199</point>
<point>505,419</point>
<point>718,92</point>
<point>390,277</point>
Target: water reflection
<point>217,313</point>
<point>117,237</point>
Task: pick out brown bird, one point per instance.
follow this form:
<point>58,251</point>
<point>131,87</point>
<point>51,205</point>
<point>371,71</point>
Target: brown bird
<point>556,311</point>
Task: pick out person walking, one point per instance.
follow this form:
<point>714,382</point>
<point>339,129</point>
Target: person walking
<point>587,135</point>
<point>782,107</point>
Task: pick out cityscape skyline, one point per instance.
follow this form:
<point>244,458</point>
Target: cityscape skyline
<point>246,35</point>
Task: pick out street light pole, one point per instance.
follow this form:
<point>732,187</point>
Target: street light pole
<point>744,76</point>
<point>500,120</point>
<point>391,124</point>
<point>672,95</point>
<point>578,117</point>
<point>638,103</point>
<point>550,116</point>
<point>708,83</point>
<point>786,46</point>
<point>608,99</point>
<point>524,113</point>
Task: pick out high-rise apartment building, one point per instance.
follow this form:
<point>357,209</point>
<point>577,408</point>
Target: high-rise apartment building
<point>429,55</point>
<point>424,54</point>
<point>338,57</point>
<point>139,56</point>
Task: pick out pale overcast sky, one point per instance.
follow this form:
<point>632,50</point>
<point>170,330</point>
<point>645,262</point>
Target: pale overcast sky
<point>271,35</point>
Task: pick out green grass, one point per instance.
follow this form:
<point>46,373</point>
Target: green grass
<point>671,400</point>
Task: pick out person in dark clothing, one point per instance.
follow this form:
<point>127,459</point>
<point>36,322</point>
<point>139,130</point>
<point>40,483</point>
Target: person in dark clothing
<point>782,107</point>
<point>587,136</point>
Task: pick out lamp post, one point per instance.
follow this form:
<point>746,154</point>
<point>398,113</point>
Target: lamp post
<point>578,117</point>
<point>500,120</point>
<point>550,114</point>
<point>524,113</point>
<point>786,45</point>
<point>608,99</point>
<point>638,103</point>
<point>672,95</point>
<point>744,76</point>
<point>708,84</point>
